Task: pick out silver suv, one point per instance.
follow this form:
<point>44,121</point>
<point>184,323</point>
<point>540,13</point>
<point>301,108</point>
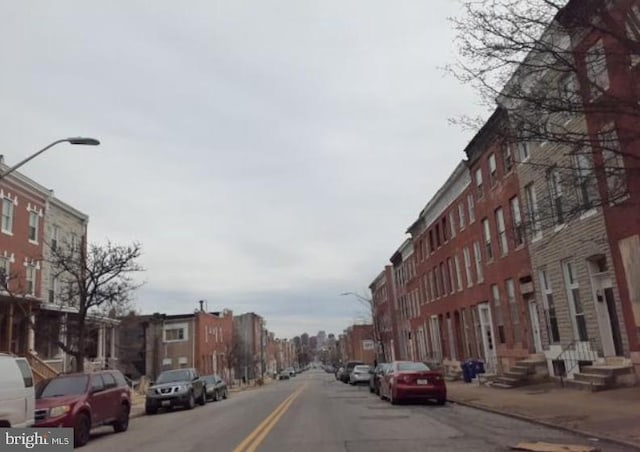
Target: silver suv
<point>180,387</point>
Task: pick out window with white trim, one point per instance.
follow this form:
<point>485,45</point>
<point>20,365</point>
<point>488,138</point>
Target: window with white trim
<point>486,228</point>
<point>493,170</point>
<point>34,220</point>
<point>507,158</point>
<point>570,96</point>
<point>452,224</point>
<point>514,310</point>
<point>443,276</point>
<point>55,236</point>
<point>575,303</point>
<point>467,265</point>
<point>432,285</point>
<point>597,70</point>
<point>532,209</point>
<point>176,332</point>
<point>614,169</point>
<point>471,206</point>
<point>497,308</point>
<point>555,188</point>
<point>4,273</point>
<point>516,218</point>
<point>456,259</point>
<point>479,186</point>
<point>502,231</point>
<point>7,216</point>
<point>31,279</point>
<point>477,253</point>
<point>452,280</point>
<point>523,150</point>
<point>586,184</point>
<point>461,216</point>
<point>53,287</point>
<point>548,304</point>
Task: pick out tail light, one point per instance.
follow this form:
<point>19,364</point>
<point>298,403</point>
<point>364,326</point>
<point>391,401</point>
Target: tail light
<point>405,378</point>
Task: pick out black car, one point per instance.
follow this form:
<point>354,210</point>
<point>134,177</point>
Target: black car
<point>215,387</point>
<point>376,375</point>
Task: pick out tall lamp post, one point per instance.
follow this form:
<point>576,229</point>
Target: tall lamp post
<point>368,302</point>
<point>73,140</point>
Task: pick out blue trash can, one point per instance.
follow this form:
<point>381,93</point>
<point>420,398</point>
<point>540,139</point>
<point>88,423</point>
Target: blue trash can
<point>467,371</point>
<point>479,367</point>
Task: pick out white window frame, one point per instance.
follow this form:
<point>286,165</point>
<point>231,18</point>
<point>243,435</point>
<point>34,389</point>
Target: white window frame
<point>432,285</point>
<point>467,265</point>
<point>176,326</point>
<point>452,280</point>
<point>33,215</point>
<point>523,150</point>
<point>514,309</point>
<point>486,229</point>
<point>532,208</point>
<point>493,170</point>
<point>471,206</point>
<point>31,279</point>
<point>571,285</point>
<point>479,183</point>
<point>497,307</point>
<point>586,182</point>
<point>7,218</point>
<point>507,158</point>
<point>597,70</point>
<point>547,303</point>
<point>452,224</point>
<point>55,236</point>
<point>5,272</point>
<point>632,26</point>
<point>555,189</point>
<point>502,231</point>
<point>461,216</point>
<point>516,217</point>
<point>477,254</point>
<point>614,168</point>
<point>456,260</point>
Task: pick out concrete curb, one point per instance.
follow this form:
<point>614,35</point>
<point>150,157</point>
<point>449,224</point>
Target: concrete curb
<point>534,420</point>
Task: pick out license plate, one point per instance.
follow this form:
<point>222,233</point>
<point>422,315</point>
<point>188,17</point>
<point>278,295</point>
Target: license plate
<point>423,382</point>
<point>166,402</point>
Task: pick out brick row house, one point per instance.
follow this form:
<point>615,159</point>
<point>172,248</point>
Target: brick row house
<point>530,251</point>
<point>357,343</point>
<point>33,317</point>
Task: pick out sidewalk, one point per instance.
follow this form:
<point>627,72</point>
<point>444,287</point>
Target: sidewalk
<point>612,415</point>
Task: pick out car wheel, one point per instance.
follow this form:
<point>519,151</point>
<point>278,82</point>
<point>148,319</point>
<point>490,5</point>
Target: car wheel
<point>81,430</point>
<point>441,401</point>
<point>371,390</point>
<point>392,399</point>
<point>203,398</point>
<point>192,402</point>
<point>122,424</point>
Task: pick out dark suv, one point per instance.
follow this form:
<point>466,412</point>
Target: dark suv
<point>83,401</point>
<point>181,387</point>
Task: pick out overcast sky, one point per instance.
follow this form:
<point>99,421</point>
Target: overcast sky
<point>268,155</point>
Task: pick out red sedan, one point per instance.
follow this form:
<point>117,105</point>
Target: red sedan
<point>408,380</point>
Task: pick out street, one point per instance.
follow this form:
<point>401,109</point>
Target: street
<point>314,412</point>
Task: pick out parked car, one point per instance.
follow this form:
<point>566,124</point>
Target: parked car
<point>17,394</point>
<point>284,375</point>
<point>180,387</point>
<point>292,372</point>
<point>375,377</point>
<point>409,380</point>
<point>348,367</point>
<point>360,374</point>
<point>215,388</point>
<point>83,401</point>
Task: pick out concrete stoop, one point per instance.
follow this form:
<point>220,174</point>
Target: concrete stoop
<point>602,377</point>
<point>527,371</point>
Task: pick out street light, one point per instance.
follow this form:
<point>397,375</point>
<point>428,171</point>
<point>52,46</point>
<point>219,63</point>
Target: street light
<point>73,140</point>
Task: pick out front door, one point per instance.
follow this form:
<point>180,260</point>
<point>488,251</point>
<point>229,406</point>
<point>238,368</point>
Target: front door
<point>535,325</point>
<point>488,340</point>
<point>435,337</point>
<point>606,314</point>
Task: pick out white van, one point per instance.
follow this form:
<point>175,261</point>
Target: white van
<point>17,393</point>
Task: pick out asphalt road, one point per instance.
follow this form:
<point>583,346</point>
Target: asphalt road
<point>315,413</point>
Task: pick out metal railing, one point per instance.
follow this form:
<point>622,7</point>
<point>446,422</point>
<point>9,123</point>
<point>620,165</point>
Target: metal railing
<point>572,356</point>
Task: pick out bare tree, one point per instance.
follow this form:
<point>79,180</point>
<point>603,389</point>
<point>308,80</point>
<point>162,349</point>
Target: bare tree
<point>96,282</point>
<point>551,89</point>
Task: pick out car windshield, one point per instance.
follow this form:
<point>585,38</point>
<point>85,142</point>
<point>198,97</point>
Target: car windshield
<point>209,379</point>
<point>409,366</point>
<point>174,375</point>
<point>63,386</point>
<point>361,369</point>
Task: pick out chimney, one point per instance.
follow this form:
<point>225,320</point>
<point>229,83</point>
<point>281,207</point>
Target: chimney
<point>201,305</point>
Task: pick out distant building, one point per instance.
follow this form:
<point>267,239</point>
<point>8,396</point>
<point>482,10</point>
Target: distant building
<point>249,346</point>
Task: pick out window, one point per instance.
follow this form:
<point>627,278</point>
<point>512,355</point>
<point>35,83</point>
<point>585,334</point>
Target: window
<point>452,281</point>
<point>586,181</point>
<point>443,277</point>
<point>74,242</point>
<point>33,226</point>
<point>438,277</point>
<point>549,308</point>
<point>7,216</point>
<point>523,150</point>
<point>53,285</point>
<point>432,285</point>
<point>467,265</point>
<point>438,235</point>
<point>479,188</point>
<point>502,232</point>
<point>532,205</point>
<point>55,233</point>
<point>176,332</point>
<point>477,252</point>
<point>633,31</point>
<point>458,274</point>
<point>452,224</point>
<point>445,230</point>
<point>518,229</point>
<point>597,74</point>
<point>614,170</point>
<point>470,204</point>
<point>461,217</point>
<point>4,273</point>
<point>25,371</point>
<point>575,304</point>
<point>497,307</point>
<point>507,158</point>
<point>513,309</point>
<point>31,279</point>
<point>555,189</point>
<point>431,247</point>
<point>568,94</point>
<point>487,239</point>
<point>493,170</point>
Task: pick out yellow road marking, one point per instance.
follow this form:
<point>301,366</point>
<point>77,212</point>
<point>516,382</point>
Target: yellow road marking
<point>251,442</point>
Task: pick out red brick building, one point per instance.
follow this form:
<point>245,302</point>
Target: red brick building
<point>384,315</point>
<point>359,344</point>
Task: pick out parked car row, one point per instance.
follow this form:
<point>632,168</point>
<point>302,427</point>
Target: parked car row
<point>398,381</point>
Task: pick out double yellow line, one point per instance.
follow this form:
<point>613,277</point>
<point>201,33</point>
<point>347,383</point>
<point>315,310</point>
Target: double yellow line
<point>255,438</point>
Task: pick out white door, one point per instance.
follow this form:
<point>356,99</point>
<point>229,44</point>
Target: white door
<point>488,340</point>
<point>535,325</point>
<point>599,283</point>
